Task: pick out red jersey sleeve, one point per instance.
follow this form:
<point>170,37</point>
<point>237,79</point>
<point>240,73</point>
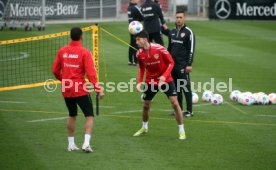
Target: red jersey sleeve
<point>169,61</point>
<point>56,68</point>
<point>90,71</point>
<point>141,68</point>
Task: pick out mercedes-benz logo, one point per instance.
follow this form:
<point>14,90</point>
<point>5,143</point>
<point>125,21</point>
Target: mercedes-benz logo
<point>223,9</point>
<point>2,7</point>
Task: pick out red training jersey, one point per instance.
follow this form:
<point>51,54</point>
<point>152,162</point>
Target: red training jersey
<point>157,62</point>
<point>71,64</point>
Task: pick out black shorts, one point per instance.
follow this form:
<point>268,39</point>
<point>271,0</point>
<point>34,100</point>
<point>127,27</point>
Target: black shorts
<point>84,102</point>
<point>157,37</point>
<point>151,90</point>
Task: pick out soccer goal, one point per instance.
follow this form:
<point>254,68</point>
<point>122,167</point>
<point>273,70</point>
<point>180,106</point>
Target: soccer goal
<point>26,14</point>
<point>27,62</point>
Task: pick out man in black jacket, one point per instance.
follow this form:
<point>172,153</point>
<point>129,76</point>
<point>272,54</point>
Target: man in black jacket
<point>182,47</point>
<point>134,14</point>
<point>152,17</point>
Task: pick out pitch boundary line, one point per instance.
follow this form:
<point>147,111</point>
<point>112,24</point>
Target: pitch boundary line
<point>129,111</point>
<point>106,107</point>
<point>160,110</point>
<point>13,102</point>
<point>49,119</point>
<point>202,121</point>
<point>156,118</point>
<point>32,111</point>
<point>23,55</point>
<point>274,116</point>
<point>236,108</point>
<point>203,104</point>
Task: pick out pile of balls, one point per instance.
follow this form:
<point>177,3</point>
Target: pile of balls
<point>248,98</point>
<point>209,96</point>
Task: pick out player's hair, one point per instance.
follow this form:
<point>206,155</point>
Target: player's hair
<point>76,33</point>
<point>143,34</point>
<point>180,11</point>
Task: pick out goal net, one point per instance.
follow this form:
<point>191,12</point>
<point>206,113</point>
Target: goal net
<point>23,14</point>
<point>27,62</point>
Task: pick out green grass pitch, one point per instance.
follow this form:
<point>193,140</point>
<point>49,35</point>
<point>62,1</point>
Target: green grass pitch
<point>229,136</point>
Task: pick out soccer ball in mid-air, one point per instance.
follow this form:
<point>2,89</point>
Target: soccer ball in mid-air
<point>195,98</point>
<point>206,96</point>
<point>135,27</point>
<point>216,99</point>
<point>234,96</point>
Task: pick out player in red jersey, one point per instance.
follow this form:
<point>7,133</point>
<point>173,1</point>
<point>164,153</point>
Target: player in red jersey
<point>156,61</point>
<point>71,64</point>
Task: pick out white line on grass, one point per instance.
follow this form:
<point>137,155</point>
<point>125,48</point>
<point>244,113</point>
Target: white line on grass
<point>230,55</point>
<point>136,117</point>
<point>267,116</point>
<point>161,110</point>
<point>204,104</point>
<point>133,111</point>
<point>195,105</point>
<point>129,111</point>
<point>15,102</point>
<point>199,111</point>
<point>107,107</point>
<point>201,121</point>
<point>50,119</point>
<point>164,110</point>
<point>22,56</point>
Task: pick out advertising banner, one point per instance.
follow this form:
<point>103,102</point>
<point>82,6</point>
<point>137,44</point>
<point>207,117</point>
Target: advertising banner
<point>242,9</point>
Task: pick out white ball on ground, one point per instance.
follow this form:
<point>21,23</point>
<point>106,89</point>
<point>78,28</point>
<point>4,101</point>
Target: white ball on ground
<point>262,99</point>
<point>247,93</point>
<point>255,95</point>
<point>234,95</point>
<point>240,98</point>
<point>272,98</point>
<point>195,98</point>
<point>247,99</point>
<point>206,96</point>
<point>216,99</point>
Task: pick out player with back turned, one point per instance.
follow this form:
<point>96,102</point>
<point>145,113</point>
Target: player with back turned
<point>152,17</point>
<point>71,64</point>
